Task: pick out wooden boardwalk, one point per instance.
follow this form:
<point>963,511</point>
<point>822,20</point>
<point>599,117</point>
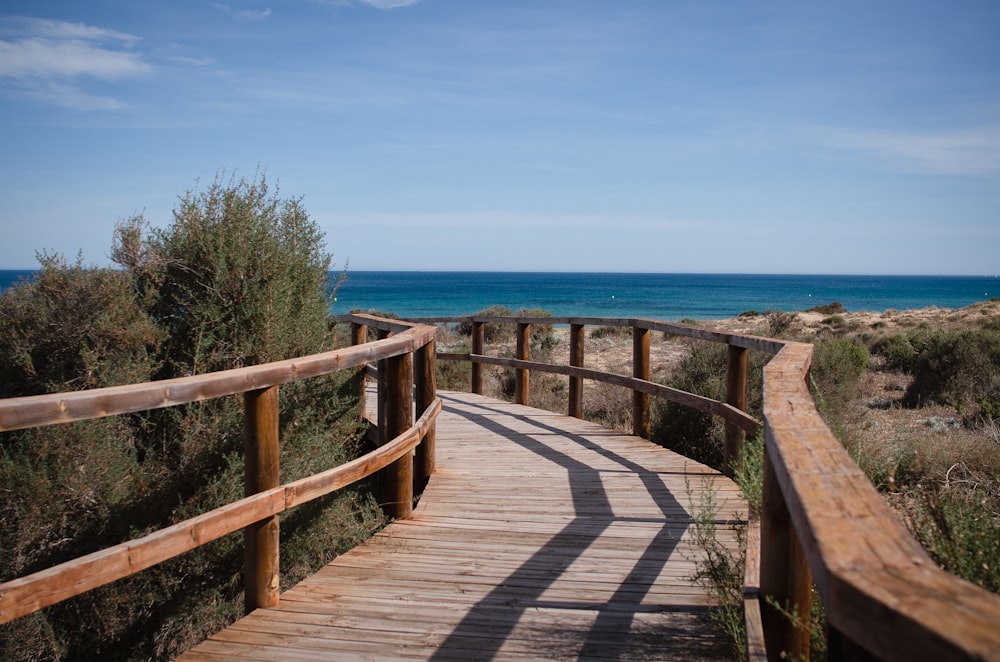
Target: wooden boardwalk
<point>539,537</point>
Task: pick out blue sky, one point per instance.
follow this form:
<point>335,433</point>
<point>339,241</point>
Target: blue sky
<point>548,135</point>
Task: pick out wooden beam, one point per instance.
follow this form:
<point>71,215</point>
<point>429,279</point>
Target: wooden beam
<point>359,336</point>
<point>785,577</point>
<point>522,377</point>
<point>478,346</point>
<point>39,410</point>
<point>260,457</point>
<point>398,418</point>
<point>640,370</point>
<point>736,395</point>
<point>577,335</point>
<point>425,377</point>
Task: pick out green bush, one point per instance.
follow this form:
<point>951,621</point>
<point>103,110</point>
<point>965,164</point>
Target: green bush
<point>897,350</point>
<point>693,433</point>
<point>492,333</point>
<point>542,340</point>
<point>960,529</point>
<point>239,278</point>
<point>834,308</point>
<point>781,324</point>
<point>74,328</point>
<point>613,332</point>
<point>838,364</point>
<point>961,369</point>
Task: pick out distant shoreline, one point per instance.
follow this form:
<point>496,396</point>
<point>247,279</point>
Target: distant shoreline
<point>665,296</point>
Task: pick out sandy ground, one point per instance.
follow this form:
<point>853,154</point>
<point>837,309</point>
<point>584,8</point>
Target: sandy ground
<point>614,353</point>
<point>876,410</point>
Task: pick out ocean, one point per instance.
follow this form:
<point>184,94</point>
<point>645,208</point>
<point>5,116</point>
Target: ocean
<point>667,297</point>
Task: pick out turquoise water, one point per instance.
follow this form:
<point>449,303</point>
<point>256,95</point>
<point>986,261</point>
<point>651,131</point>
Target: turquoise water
<point>660,296</point>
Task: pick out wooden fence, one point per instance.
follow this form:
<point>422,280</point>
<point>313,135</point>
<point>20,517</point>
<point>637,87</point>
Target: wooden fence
<point>401,347</point>
<point>822,523</point>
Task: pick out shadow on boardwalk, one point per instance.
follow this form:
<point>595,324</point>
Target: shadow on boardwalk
<point>608,637</point>
<point>539,537</point>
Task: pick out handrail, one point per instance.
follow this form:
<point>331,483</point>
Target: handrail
<point>881,590</point>
<point>821,520</point>
<point>50,409</point>
<point>883,594</point>
<point>24,595</point>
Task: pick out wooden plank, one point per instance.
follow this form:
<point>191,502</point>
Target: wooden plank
<point>557,559</point>
<point>261,473</point>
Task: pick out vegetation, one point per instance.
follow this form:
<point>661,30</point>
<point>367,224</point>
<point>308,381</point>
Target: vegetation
<point>693,433</point>
<point>238,278</point>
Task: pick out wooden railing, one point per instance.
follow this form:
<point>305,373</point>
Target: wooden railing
<point>401,347</point>
<point>822,522</point>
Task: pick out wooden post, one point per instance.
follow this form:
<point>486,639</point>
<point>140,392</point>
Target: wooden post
<point>260,461</point>
<point>383,387</point>
<point>640,370</point>
<point>521,375</point>
<point>478,343</point>
<point>577,335</point>
<point>426,390</point>
<point>784,574</point>
<point>359,336</point>
<point>736,395</point>
<point>398,418</point>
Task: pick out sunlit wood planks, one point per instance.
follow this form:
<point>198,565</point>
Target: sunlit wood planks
<point>539,536</point>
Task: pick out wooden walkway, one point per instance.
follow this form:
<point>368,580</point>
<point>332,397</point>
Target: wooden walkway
<point>539,537</point>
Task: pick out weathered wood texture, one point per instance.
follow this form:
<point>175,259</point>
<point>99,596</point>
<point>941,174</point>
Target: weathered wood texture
<point>577,336</point>
<point>721,409</point>
<point>640,370</point>
<point>539,536</point>
<point>522,384</point>
<point>39,410</point>
<point>881,591</point>
<point>736,395</point>
<point>261,473</point>
<point>24,595</point>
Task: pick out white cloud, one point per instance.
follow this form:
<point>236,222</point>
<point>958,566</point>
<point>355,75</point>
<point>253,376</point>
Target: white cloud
<point>959,152</point>
<point>45,60</point>
<point>390,4</point>
<point>70,96</point>
<point>244,14</point>
<point>41,57</point>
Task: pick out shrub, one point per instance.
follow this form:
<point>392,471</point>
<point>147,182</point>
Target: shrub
<point>73,328</point>
<point>542,339</point>
<point>838,364</point>
<point>961,531</point>
<point>780,324</point>
<point>961,369</point>
<point>613,332</point>
<point>492,333</point>
<point>693,433</point>
<point>897,350</point>
<point>829,309</point>
<point>238,278</point>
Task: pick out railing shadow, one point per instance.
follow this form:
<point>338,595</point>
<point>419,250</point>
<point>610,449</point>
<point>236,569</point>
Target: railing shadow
<point>493,619</point>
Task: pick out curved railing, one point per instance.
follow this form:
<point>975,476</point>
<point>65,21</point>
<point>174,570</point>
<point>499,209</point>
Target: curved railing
<point>822,522</point>
<point>405,354</point>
